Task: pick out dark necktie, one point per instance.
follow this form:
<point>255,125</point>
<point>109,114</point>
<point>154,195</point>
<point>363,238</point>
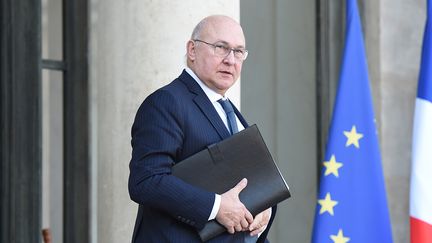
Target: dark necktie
<point>232,122</point>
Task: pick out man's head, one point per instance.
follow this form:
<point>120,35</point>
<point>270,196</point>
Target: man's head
<point>211,39</point>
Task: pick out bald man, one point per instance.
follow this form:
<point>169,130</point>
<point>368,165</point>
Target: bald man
<point>179,120</point>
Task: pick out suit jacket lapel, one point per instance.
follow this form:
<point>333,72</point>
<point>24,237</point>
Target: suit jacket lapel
<point>240,117</point>
<point>205,105</point>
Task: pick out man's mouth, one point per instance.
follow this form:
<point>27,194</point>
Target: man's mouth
<point>226,72</point>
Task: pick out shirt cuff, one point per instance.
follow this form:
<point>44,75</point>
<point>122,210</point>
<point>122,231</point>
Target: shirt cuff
<point>216,207</point>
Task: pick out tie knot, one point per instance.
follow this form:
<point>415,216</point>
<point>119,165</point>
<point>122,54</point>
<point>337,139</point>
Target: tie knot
<point>226,105</point>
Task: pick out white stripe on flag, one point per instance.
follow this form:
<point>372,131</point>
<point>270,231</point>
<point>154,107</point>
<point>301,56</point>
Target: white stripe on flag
<point>421,177</point>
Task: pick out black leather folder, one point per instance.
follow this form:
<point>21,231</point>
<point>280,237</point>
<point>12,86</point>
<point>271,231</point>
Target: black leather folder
<point>222,165</point>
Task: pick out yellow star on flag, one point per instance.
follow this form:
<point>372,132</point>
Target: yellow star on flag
<point>327,204</point>
<point>339,238</point>
<point>332,166</point>
<point>353,137</point>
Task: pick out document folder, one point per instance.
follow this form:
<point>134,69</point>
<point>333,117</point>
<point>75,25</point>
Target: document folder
<point>220,166</point>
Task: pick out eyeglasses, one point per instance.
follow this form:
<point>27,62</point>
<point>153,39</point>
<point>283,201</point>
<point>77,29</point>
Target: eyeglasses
<point>222,50</point>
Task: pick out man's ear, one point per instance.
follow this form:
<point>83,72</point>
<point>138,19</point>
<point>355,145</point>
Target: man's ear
<point>190,47</point>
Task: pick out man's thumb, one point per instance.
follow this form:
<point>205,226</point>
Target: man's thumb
<point>241,185</point>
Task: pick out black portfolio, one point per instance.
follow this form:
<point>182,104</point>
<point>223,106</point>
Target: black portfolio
<point>222,165</point>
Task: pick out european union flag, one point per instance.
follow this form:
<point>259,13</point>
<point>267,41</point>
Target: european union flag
<point>352,205</point>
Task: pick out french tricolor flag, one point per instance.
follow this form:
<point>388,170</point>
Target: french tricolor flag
<point>421,170</point>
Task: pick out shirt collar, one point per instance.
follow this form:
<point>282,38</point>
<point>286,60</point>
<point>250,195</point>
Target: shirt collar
<point>211,94</point>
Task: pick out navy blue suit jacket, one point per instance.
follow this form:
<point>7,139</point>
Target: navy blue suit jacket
<point>172,124</point>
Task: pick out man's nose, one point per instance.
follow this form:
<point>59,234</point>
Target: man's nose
<point>230,58</point>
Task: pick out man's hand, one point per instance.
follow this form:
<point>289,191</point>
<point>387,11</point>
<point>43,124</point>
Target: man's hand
<point>260,222</point>
<point>232,212</point>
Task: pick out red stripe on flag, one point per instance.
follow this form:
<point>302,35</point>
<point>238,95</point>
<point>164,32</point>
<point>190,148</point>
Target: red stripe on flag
<point>421,232</point>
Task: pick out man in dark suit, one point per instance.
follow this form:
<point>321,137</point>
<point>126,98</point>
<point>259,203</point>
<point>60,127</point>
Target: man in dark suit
<point>180,120</point>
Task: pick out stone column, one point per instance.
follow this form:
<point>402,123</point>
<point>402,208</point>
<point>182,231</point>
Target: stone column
<point>278,94</point>
<point>402,25</point>
<point>135,48</point>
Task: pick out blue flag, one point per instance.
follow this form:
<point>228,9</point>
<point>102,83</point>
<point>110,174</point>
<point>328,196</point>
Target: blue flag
<point>352,205</point>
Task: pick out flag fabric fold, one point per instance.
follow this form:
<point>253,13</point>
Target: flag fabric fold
<point>352,205</point>
<point>421,169</point>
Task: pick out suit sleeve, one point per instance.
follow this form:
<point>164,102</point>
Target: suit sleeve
<point>157,138</point>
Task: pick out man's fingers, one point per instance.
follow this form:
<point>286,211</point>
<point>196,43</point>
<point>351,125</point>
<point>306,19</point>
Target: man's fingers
<point>248,216</point>
<point>244,223</point>
<point>232,212</point>
<point>230,230</point>
<point>238,228</point>
<point>260,220</point>
<point>241,185</point>
<point>253,226</point>
<point>257,231</point>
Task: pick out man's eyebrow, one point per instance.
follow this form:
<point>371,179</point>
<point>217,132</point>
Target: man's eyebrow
<point>226,43</point>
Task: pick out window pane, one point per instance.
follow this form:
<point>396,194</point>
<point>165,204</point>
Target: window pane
<point>52,153</point>
<point>52,29</point>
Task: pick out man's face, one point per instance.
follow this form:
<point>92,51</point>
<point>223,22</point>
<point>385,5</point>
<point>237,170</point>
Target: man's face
<point>218,72</point>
